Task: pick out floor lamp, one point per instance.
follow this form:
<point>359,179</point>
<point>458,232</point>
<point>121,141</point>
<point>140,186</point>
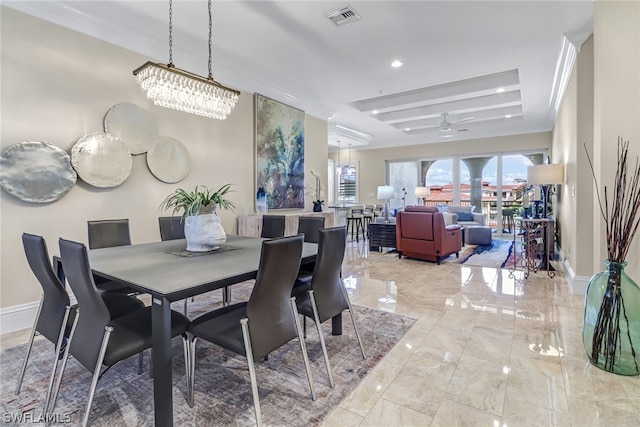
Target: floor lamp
<point>422,193</point>
<point>386,193</point>
<point>545,176</point>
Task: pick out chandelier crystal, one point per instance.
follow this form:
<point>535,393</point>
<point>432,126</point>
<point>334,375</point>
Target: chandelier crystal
<point>171,87</point>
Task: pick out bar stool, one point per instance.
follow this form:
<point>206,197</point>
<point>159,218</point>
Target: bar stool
<point>507,219</point>
<point>368,215</point>
<point>354,220</point>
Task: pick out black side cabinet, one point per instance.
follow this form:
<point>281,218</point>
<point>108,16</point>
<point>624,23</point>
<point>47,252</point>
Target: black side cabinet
<point>381,235</point>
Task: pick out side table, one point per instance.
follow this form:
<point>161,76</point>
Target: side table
<point>381,235</point>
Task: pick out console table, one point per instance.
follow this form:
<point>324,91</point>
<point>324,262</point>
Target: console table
<point>381,235</point>
<point>251,225</point>
<point>537,245</point>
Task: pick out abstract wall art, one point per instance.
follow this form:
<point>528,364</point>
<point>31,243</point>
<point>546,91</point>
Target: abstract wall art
<point>280,153</point>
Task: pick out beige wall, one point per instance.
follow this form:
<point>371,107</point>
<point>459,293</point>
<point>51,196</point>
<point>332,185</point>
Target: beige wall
<point>372,162</point>
<point>572,132</point>
<point>616,102</point>
<point>601,103</point>
<point>57,86</point>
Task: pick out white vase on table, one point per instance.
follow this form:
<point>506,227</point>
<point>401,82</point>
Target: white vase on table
<point>204,232</point>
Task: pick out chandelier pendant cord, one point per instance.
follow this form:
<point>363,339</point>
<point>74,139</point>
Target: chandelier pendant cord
<point>210,30</point>
<point>170,34</point>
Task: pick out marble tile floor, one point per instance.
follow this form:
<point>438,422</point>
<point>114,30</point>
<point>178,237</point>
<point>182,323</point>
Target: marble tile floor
<point>487,350</point>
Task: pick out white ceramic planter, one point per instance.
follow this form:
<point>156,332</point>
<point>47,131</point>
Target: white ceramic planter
<point>204,232</point>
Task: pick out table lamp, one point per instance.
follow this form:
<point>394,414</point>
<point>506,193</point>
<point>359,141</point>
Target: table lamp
<point>545,176</point>
<point>422,193</point>
<point>386,193</point>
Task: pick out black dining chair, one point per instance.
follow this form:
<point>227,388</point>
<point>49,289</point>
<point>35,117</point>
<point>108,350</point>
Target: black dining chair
<point>263,324</point>
<point>310,226</point>
<point>109,233</point>
<point>171,227</point>
<point>325,296</point>
<point>55,314</point>
<point>96,339</point>
<point>272,226</point>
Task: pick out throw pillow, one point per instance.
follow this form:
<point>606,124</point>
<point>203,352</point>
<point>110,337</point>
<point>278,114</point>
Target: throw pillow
<point>464,216</point>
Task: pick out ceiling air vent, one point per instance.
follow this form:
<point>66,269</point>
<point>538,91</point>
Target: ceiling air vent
<point>343,16</point>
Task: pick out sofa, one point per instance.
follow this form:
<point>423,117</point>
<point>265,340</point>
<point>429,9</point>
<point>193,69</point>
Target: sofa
<point>421,233</point>
<point>464,216</point>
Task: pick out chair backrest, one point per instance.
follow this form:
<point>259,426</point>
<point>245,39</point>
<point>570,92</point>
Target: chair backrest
<point>309,226</point>
<point>108,233</point>
<point>272,226</point>
<point>93,314</point>
<point>55,297</point>
<point>171,227</point>
<point>271,318</point>
<point>354,212</point>
<point>326,282</point>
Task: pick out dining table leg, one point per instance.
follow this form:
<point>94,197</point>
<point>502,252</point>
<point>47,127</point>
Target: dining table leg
<point>162,381</point>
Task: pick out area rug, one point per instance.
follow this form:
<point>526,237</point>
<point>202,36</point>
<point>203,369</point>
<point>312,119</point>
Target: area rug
<point>222,387</point>
<point>499,254</point>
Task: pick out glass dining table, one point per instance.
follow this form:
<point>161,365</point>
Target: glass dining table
<point>168,273</point>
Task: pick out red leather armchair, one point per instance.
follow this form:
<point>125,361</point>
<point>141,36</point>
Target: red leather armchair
<point>421,233</point>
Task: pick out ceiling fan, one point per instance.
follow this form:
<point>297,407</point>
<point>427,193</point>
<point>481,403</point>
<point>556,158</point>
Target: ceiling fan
<point>446,125</point>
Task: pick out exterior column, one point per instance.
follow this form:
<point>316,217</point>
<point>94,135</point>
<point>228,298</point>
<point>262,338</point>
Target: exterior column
<point>476,166</point>
<point>424,168</point>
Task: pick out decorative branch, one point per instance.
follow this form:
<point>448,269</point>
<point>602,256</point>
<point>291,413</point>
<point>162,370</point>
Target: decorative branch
<point>622,214</point>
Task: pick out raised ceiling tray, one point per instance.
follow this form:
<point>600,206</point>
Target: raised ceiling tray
<point>101,160</point>
<point>168,159</point>
<point>36,172</point>
<point>132,125</point>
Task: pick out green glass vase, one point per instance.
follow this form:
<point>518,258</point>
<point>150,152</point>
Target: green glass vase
<point>611,327</point>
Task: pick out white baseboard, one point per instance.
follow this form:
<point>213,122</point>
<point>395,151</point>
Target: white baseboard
<point>578,284</point>
<point>22,316</point>
<point>18,317</point>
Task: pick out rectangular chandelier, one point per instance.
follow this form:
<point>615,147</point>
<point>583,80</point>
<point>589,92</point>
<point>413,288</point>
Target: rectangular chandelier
<point>171,87</point>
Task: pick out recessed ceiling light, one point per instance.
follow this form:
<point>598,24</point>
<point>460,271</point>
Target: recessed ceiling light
<point>500,90</point>
<point>397,63</point>
<point>447,136</point>
<point>508,116</point>
<point>374,112</point>
<point>407,129</point>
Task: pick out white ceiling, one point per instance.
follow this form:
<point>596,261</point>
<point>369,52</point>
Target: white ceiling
<point>456,55</point>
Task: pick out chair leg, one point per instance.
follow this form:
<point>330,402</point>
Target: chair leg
<point>141,362</point>
<point>252,371</point>
<point>353,319</point>
<point>303,347</point>
<point>26,356</point>
<point>55,363</point>
<point>96,374</point>
<point>191,373</point>
<point>226,296</point>
<point>304,326</point>
<point>51,404</point>
<point>187,363</point>
<point>316,318</point>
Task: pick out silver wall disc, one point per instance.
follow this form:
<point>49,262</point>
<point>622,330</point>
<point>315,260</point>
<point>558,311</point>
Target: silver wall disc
<point>132,125</point>
<point>168,159</point>
<point>101,160</point>
<point>36,172</point>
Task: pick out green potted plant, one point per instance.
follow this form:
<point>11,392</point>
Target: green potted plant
<point>202,200</point>
<point>202,228</point>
